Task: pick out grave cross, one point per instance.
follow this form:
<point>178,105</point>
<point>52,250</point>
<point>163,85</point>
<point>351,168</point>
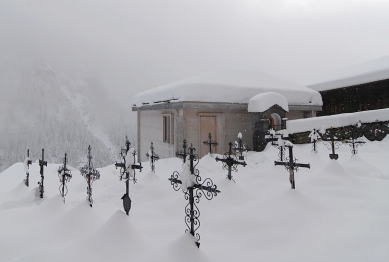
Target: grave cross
<point>354,144</point>
<point>230,162</point>
<point>210,143</point>
<point>291,165</point>
<point>183,154</point>
<point>90,174</point>
<point>331,141</point>
<point>128,167</point>
<point>315,138</point>
<point>65,175</point>
<point>42,163</point>
<point>272,137</point>
<point>27,163</point>
<point>153,157</point>
<point>193,189</point>
<point>240,147</point>
<point>277,140</point>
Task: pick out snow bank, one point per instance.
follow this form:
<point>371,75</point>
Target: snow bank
<point>228,87</point>
<point>262,102</point>
<point>370,71</point>
<point>308,124</point>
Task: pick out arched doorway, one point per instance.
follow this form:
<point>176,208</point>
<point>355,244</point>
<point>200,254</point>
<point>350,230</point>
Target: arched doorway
<point>275,121</point>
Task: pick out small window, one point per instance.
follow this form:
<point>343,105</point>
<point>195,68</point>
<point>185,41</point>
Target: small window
<point>168,128</point>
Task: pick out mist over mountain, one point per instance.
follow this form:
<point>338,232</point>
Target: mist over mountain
<point>40,108</point>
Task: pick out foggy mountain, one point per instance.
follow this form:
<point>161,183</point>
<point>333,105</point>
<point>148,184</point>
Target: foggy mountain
<point>40,108</point>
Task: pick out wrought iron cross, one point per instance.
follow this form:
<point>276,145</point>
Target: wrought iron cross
<point>210,143</point>
<point>240,147</point>
<point>230,162</point>
<point>153,157</point>
<point>193,192</point>
<point>64,175</point>
<point>42,163</point>
<point>90,174</point>
<point>331,141</point>
<point>125,169</point>
<point>183,154</point>
<point>291,165</point>
<point>314,136</point>
<point>27,163</point>
<point>272,137</point>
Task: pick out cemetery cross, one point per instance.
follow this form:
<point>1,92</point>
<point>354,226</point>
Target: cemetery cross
<point>153,157</point>
<point>314,136</point>
<point>27,163</point>
<point>331,140</point>
<point>193,189</point>
<point>65,175</point>
<point>90,174</point>
<point>210,143</point>
<point>230,162</point>
<point>240,147</point>
<point>354,142</point>
<point>183,154</point>
<point>291,165</point>
<point>42,163</point>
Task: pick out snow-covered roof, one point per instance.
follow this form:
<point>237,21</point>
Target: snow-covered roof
<point>262,102</point>
<point>227,87</point>
<point>373,70</point>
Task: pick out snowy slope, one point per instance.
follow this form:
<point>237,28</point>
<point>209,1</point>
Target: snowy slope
<point>338,212</point>
<point>61,113</point>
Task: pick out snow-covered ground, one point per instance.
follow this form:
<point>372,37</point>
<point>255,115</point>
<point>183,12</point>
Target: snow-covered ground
<point>338,212</point>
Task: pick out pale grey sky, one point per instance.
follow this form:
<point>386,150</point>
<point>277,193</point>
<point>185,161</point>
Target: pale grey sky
<point>137,45</point>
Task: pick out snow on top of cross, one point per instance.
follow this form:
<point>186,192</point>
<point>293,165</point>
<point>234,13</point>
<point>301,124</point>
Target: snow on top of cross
<point>262,102</point>
<point>227,87</point>
<point>370,71</point>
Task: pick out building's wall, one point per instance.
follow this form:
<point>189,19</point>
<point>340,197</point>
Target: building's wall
<point>292,115</point>
<point>150,129</point>
<point>229,124</point>
<point>368,96</point>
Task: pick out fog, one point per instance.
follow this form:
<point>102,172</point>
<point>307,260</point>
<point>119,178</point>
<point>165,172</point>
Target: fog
<point>131,46</point>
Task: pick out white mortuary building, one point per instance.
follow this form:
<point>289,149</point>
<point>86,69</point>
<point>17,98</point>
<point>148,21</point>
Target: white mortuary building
<point>218,104</point>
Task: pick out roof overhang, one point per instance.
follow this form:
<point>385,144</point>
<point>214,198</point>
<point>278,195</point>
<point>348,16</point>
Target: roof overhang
<point>215,105</point>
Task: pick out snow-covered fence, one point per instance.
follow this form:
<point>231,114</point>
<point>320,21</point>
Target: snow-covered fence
<point>300,129</point>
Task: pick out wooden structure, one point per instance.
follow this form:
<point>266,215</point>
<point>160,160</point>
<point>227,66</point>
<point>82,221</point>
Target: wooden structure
<point>357,88</point>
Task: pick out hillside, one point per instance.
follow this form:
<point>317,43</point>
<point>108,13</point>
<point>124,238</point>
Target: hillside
<point>60,113</point>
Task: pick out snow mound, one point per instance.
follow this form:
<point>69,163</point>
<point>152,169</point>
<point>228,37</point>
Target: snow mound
<point>262,102</point>
<point>181,249</point>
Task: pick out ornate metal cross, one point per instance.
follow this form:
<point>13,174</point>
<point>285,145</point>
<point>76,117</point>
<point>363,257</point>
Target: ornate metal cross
<point>27,163</point>
<point>291,165</point>
<point>193,189</point>
<point>64,175</point>
<point>90,175</point>
<point>230,162</point>
<point>353,138</point>
<point>153,157</point>
<point>332,140</point>
<point>272,136</point>
<point>240,147</point>
<point>315,139</point>
<point>127,168</point>
<point>42,163</point>
<point>183,154</point>
<point>210,143</point>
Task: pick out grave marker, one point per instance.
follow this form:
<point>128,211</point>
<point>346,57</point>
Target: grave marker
<point>64,175</point>
<point>291,165</point>
<point>193,189</point>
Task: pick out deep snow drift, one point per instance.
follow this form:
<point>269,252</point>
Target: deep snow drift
<point>338,212</point>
